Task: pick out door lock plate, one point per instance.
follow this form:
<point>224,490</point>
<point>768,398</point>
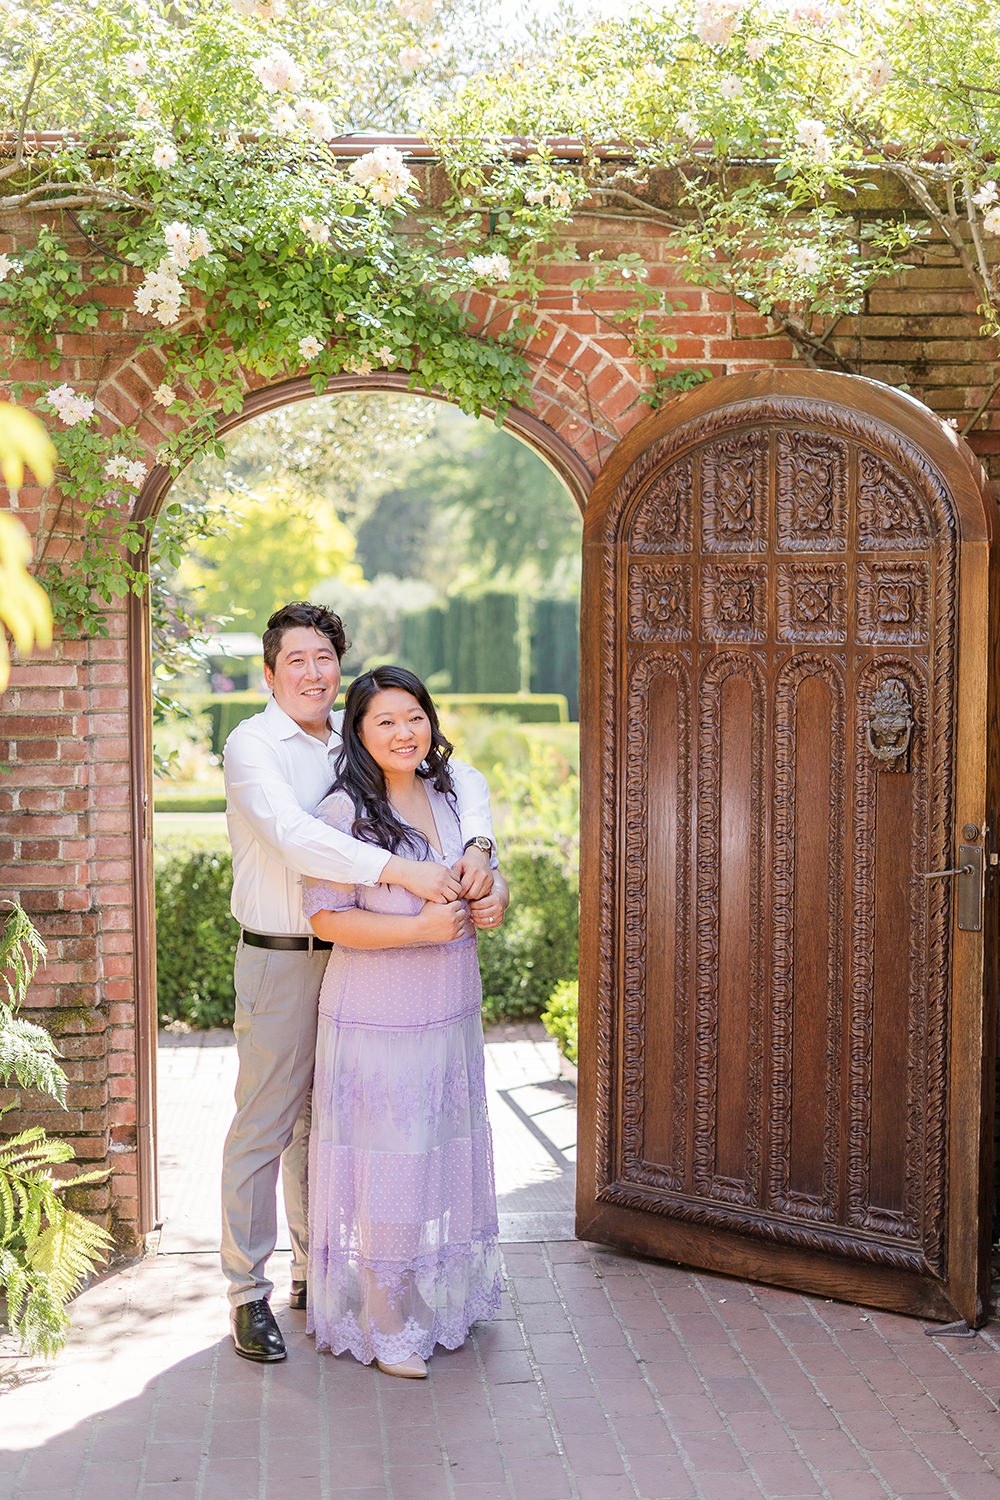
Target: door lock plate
<point>969,888</point>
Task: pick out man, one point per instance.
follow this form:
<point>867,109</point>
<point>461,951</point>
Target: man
<point>278,766</point>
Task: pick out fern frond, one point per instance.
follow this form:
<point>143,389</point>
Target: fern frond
<point>32,1149</point>
<point>28,1053</point>
<point>67,1251</point>
<point>21,951</point>
<point>35,1314</point>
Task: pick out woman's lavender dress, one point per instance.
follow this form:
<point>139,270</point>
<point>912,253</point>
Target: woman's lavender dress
<point>402,1208</point>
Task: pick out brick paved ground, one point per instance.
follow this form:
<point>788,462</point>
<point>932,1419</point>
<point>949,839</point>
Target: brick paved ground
<point>605,1377</point>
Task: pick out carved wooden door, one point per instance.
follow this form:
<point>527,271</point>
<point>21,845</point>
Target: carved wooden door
<point>786,1027</point>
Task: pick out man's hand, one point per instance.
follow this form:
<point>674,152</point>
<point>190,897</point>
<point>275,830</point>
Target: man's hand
<point>474,874</point>
<point>429,881</point>
<point>488,911</point>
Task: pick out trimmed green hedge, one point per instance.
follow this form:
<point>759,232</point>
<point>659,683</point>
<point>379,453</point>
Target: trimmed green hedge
<point>560,1017</point>
<point>196,936</point>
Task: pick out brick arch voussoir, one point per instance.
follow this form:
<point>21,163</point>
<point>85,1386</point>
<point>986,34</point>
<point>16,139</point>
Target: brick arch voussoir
<point>582,386</point>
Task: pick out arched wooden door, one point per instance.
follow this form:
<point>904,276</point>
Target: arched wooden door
<point>787,1029</point>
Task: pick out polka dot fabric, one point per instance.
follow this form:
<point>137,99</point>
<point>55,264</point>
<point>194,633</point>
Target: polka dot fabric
<point>402,1214</point>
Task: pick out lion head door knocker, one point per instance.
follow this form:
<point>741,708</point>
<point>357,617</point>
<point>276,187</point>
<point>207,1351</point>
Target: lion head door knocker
<point>890,726</point>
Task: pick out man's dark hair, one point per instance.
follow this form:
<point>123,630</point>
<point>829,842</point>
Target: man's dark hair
<point>313,617</point>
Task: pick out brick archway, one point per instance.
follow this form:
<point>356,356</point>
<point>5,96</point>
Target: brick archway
<point>546,442</point>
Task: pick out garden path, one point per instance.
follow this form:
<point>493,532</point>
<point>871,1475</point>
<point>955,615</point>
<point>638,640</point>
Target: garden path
<point>604,1378</point>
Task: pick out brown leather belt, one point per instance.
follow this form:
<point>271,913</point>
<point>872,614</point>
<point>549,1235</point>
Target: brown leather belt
<point>286,944</point>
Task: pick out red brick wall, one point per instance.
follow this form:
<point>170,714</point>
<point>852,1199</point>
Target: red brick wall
<point>66,814</point>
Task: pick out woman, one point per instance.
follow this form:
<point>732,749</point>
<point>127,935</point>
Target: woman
<point>402,1222</point>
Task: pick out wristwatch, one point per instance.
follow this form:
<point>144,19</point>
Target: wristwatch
<point>481,842</point>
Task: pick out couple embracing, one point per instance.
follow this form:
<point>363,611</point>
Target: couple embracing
<point>363,862</point>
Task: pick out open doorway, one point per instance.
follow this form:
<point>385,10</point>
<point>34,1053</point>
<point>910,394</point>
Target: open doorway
<point>449,546</point>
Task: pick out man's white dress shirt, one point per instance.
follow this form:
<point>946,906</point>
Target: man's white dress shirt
<point>275,776</point>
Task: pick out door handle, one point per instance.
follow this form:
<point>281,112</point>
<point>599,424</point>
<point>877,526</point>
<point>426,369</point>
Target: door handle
<point>968,886</point>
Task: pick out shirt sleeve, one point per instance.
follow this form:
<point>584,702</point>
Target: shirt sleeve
<point>258,791</point>
<point>473,795</point>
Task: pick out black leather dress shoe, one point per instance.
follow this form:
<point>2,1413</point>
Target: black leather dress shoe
<point>297,1295</point>
<point>255,1333</point>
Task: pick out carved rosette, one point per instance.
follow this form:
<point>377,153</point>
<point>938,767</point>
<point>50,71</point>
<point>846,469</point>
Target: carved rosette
<point>893,603</point>
<point>659,601</point>
<point>734,601</point>
<point>634,1166</point>
<point>810,492</point>
<point>798,670</point>
<point>661,521</point>
<point>811,602</point>
<point>734,494</point>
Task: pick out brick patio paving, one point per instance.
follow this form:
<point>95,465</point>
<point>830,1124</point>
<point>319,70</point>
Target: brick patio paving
<point>605,1377</point>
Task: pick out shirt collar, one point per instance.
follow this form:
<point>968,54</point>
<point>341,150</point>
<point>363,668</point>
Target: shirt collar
<point>284,725</point>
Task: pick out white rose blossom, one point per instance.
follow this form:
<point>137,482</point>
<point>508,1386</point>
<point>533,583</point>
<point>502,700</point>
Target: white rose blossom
<point>164,157</point>
<point>812,135</point>
<point>357,364</point>
<point>986,195</point>
<point>135,64</point>
<point>310,347</point>
<point>755,47</point>
<point>415,10</point>
<point>412,58</point>
<point>730,87</point>
<point>802,258</point>
<point>490,267</point>
<point>279,72</point>
<point>116,467</point>
<point>716,20</point>
<point>991,220</point>
<point>316,118</point>
<point>314,229</point>
<point>143,105</point>
<point>880,74</point>
<point>284,118</point>
<point>70,405</point>
<point>164,395</point>
<point>384,173</point>
<point>261,10</point>
<point>9,264</point>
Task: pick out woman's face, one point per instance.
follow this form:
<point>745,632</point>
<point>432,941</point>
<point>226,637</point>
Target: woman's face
<point>395,731</point>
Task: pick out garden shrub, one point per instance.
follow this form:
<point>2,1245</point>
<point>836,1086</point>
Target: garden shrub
<point>560,1017</point>
<point>536,946</point>
<point>196,936</point>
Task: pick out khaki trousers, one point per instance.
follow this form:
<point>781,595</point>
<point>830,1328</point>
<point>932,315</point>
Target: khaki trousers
<point>277,996</point>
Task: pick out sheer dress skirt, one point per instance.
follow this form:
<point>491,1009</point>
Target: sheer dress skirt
<point>403,1222</point>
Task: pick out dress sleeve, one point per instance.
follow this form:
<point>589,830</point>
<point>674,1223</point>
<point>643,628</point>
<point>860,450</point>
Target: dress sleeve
<point>336,810</point>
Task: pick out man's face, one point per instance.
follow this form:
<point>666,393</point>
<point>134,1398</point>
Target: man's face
<point>306,676</point>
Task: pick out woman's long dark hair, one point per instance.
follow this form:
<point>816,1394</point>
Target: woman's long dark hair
<point>359,775</point>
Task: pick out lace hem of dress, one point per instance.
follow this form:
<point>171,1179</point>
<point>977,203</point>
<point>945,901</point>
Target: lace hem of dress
<point>346,1336</point>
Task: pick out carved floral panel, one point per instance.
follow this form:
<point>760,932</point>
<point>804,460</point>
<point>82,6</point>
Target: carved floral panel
<point>811,492</point>
<point>734,494</point>
<point>659,601</point>
<point>662,520</point>
<point>811,601</point>
<point>734,601</point>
